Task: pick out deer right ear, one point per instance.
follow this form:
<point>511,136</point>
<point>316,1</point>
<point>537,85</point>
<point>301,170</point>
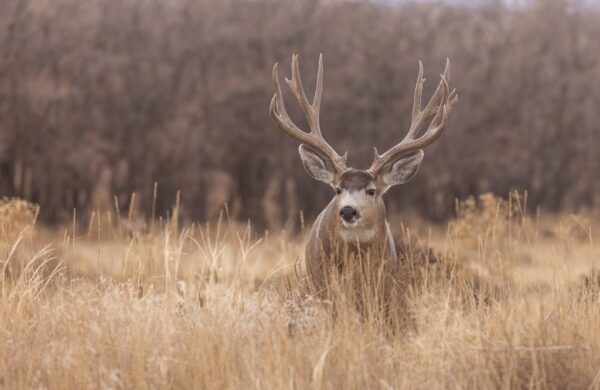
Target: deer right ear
<point>402,170</point>
<point>315,165</point>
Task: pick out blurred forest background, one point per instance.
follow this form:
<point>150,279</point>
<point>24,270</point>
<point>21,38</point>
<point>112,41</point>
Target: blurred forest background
<point>100,99</point>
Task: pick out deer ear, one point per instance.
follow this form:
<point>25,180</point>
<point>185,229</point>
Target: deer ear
<point>402,170</point>
<point>315,165</point>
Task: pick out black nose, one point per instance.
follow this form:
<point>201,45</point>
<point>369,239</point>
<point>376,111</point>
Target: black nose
<point>348,213</point>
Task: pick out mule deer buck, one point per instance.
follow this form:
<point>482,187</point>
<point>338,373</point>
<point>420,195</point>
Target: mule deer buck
<point>354,223</point>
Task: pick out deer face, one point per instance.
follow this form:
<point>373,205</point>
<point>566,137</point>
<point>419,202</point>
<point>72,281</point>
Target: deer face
<point>358,201</point>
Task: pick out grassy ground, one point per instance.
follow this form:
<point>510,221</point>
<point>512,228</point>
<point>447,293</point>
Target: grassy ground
<point>220,307</point>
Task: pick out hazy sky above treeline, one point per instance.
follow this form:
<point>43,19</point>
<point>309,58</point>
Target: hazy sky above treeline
<point>512,3</point>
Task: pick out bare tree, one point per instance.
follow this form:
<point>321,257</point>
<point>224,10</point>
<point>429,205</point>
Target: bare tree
<point>164,92</point>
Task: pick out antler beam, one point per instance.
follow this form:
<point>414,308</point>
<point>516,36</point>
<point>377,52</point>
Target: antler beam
<point>438,107</point>
<point>279,115</point>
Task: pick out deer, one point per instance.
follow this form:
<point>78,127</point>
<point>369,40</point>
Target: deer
<point>354,223</point>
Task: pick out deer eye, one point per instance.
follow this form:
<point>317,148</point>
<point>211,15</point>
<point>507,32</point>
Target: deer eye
<point>338,191</point>
<point>371,192</point>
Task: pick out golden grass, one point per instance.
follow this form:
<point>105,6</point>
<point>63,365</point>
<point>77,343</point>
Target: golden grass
<point>219,307</point>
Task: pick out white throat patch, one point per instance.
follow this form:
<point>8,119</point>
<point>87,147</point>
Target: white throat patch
<point>357,235</point>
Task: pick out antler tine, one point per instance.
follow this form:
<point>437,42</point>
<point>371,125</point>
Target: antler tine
<point>416,111</point>
<point>452,99</point>
<point>281,118</point>
<point>295,85</point>
<point>418,116</point>
<point>439,90</point>
<point>316,104</point>
<point>438,106</point>
<point>418,92</point>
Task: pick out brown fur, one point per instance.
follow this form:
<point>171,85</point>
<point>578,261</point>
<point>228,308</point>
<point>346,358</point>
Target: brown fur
<point>355,180</point>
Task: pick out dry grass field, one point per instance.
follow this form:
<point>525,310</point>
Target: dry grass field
<point>511,303</point>
<point>104,99</point>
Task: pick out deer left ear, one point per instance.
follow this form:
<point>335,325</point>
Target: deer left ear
<point>315,165</point>
<point>402,170</point>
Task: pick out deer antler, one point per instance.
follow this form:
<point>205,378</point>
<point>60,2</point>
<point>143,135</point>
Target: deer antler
<point>438,107</point>
<point>281,118</point>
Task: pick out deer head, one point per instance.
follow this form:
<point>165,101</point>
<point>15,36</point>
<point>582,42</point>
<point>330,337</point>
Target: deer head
<point>358,202</point>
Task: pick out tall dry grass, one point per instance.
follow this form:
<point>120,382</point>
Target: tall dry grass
<point>217,306</point>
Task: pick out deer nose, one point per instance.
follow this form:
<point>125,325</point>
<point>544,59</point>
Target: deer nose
<point>348,213</point>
